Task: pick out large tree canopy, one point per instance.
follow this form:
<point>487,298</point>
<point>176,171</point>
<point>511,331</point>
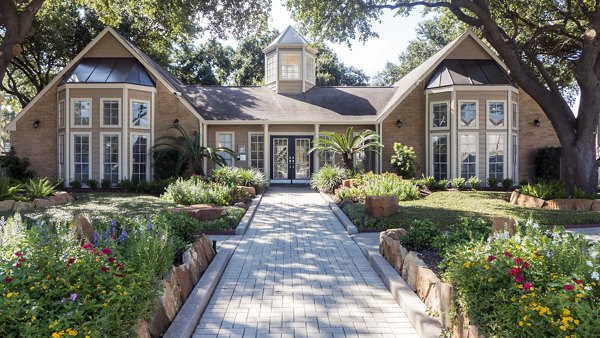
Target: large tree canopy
<point>548,46</point>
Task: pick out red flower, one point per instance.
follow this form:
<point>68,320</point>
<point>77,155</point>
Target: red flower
<point>106,251</point>
<point>568,287</point>
<point>577,281</point>
<point>70,261</point>
<point>120,266</point>
<point>87,246</point>
<point>18,254</point>
<point>21,260</point>
<point>507,254</point>
<point>104,269</point>
<point>527,286</point>
<point>120,275</point>
<point>518,261</point>
<point>7,280</point>
<point>514,271</point>
<point>111,259</point>
<point>525,265</point>
<point>18,265</point>
<point>519,278</point>
<point>491,258</point>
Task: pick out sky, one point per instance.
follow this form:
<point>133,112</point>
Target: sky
<point>394,35</point>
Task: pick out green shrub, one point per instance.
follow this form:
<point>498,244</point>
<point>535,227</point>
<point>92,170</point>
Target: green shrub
<point>14,167</point>
<point>75,184</point>
<point>327,179</point>
<point>196,191</point>
<point>225,175</point>
<point>234,176</point>
<point>39,187</point>
<point>443,184</point>
<point>580,193</point>
<point>547,163</point>
<point>350,193</point>
<point>128,185</point>
<point>420,236</point>
<point>106,184</point>
<point>93,184</point>
<point>544,189</point>
<point>9,190</point>
<point>428,182</point>
<point>165,163</point>
<point>507,183</point>
<point>468,230</point>
<point>535,284</point>
<point>474,182</point>
<point>404,161</point>
<point>458,182</point>
<point>492,182</point>
<point>390,185</point>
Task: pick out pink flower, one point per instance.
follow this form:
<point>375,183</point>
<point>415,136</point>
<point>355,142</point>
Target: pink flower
<point>577,281</point>
<point>491,258</point>
<point>7,280</point>
<point>70,261</point>
<point>525,265</point>
<point>518,261</point>
<point>73,297</point>
<point>87,246</point>
<point>120,275</point>
<point>111,259</point>
<point>568,287</point>
<point>18,254</point>
<point>514,271</point>
<point>519,278</point>
<point>106,251</point>
<point>507,254</point>
<point>104,269</point>
<point>527,285</point>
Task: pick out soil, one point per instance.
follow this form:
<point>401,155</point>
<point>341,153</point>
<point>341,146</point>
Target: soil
<point>432,259</point>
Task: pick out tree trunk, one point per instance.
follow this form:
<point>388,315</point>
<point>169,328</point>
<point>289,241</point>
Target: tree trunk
<point>348,163</point>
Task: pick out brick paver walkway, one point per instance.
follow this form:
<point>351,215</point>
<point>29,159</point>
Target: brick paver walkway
<point>297,273</point>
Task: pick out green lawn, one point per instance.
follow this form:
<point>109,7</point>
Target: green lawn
<point>447,207</point>
<point>99,207</point>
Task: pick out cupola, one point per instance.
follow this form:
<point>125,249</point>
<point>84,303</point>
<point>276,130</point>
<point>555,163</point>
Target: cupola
<point>290,63</point>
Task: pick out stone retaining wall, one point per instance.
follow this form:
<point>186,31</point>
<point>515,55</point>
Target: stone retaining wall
<point>571,204</point>
<point>60,197</point>
<point>437,295</point>
<point>178,285</point>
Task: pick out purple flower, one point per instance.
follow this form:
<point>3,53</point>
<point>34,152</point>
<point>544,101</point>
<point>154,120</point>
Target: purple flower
<point>113,223</point>
<point>123,235</point>
<point>149,226</point>
<point>73,297</point>
<point>95,238</point>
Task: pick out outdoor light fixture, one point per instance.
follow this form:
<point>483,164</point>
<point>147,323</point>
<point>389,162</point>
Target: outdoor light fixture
<point>176,122</point>
<point>36,123</point>
<point>399,123</point>
<point>537,123</point>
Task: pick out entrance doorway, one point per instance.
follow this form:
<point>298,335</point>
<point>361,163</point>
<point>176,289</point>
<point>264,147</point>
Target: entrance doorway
<point>290,160</point>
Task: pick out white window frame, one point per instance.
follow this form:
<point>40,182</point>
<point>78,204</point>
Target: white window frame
<point>487,114</point>
<point>73,125</point>
<point>101,159</point>
<point>62,151</point>
<point>515,158</point>
<point>476,152</point>
<point>250,134</point>
<point>90,157</point>
<point>448,151</point>
<point>149,117</point>
<point>448,113</point>
<point>280,65</point>
<point>311,76</point>
<point>130,150</point>
<point>232,143</point>
<point>62,113</point>
<point>271,69</point>
<point>119,110</point>
<point>515,115</point>
<point>476,122</point>
<point>487,155</point>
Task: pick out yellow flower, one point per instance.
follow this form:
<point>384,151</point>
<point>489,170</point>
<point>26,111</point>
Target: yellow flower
<point>520,286</point>
<point>31,288</point>
<point>55,335</point>
<point>576,321</point>
<point>103,292</point>
<point>467,264</point>
<point>119,287</point>
<point>53,324</point>
<point>521,323</point>
<point>71,332</point>
<point>487,267</point>
<point>9,295</point>
<point>566,312</point>
<point>564,328</point>
<point>490,280</point>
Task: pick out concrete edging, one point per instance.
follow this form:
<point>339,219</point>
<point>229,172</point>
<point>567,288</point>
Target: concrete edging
<point>247,219</point>
<point>188,316</point>
<point>346,222</point>
<point>413,306</point>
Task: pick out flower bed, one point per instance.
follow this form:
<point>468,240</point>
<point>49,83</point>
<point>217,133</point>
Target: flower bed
<point>537,283</point>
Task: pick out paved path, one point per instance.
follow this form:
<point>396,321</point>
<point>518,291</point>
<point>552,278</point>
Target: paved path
<point>297,273</point>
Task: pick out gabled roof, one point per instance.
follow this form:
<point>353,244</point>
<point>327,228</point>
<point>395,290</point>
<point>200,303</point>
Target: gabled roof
<point>320,104</point>
<point>153,68</point>
<point>289,37</point>
<point>109,70</point>
<point>468,72</point>
<point>414,78</point>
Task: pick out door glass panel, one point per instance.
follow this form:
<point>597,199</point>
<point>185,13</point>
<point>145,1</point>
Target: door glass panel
<point>280,158</point>
<point>302,158</point>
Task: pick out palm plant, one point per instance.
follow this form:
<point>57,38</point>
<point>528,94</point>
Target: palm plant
<point>191,152</point>
<point>347,144</point>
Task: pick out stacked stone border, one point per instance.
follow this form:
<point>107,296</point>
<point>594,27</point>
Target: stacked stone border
<point>571,204</point>
<point>60,197</point>
<point>248,216</point>
<point>434,295</point>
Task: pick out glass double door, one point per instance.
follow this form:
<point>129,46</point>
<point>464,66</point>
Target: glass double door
<point>290,160</point>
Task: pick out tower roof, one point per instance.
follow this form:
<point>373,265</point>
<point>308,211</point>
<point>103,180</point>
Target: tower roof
<point>289,37</point>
